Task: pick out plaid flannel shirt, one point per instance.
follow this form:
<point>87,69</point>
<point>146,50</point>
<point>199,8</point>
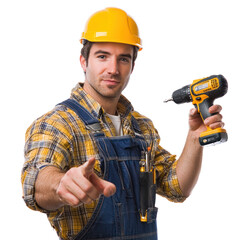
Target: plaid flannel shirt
<point>59,138</point>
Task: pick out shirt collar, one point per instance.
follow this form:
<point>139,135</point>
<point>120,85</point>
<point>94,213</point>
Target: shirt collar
<point>124,106</point>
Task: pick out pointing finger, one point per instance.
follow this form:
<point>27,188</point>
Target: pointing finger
<point>103,186</point>
<point>87,167</point>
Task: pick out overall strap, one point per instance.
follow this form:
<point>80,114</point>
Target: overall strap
<point>91,122</point>
<point>136,127</point>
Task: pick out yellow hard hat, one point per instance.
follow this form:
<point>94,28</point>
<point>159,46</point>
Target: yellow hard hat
<point>112,25</point>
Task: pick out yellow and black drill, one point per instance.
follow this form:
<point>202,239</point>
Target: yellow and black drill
<point>202,93</point>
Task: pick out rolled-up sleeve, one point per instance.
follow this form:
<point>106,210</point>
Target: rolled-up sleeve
<point>43,147</point>
<point>167,181</point>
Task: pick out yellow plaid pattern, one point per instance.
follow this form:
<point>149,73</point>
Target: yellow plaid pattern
<point>59,138</point>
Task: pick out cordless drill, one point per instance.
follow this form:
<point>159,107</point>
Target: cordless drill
<point>202,93</point>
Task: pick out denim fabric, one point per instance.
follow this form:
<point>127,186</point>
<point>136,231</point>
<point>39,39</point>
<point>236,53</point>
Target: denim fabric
<point>117,217</point>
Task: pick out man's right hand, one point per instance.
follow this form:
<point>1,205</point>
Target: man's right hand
<point>81,185</point>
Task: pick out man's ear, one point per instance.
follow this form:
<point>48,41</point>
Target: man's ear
<point>83,63</point>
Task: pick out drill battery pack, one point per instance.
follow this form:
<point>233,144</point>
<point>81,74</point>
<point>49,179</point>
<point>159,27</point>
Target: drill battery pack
<point>213,137</point>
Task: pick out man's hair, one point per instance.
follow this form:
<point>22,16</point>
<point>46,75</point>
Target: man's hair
<point>87,46</point>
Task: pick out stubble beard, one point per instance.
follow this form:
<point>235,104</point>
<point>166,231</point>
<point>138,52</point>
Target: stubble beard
<point>106,94</point>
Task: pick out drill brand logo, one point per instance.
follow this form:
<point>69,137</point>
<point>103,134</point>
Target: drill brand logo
<point>206,86</point>
<point>201,88</point>
<point>214,84</point>
<point>207,90</point>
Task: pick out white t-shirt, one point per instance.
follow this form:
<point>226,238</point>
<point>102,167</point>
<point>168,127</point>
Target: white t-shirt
<point>116,120</point>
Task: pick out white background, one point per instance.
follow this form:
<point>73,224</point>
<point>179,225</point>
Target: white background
<point>183,40</point>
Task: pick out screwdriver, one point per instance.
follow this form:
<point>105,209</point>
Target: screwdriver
<point>147,185</point>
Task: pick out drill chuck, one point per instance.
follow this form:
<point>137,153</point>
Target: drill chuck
<point>182,95</point>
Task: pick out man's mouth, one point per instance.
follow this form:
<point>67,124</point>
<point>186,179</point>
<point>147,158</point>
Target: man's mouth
<point>112,82</point>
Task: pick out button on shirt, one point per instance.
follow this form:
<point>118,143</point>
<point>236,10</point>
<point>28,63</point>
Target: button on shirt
<point>59,138</point>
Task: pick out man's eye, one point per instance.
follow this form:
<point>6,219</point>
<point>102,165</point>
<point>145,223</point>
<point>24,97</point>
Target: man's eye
<point>101,56</point>
<point>124,60</point>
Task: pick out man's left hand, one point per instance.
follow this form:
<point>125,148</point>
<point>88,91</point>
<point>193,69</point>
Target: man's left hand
<point>198,126</point>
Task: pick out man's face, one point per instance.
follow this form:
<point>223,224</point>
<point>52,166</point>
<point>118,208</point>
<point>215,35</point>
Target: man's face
<point>108,69</point>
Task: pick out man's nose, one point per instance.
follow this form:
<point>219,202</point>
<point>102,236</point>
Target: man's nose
<point>113,67</point>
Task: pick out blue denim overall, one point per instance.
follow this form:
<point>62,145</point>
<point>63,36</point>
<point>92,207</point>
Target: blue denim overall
<point>117,217</point>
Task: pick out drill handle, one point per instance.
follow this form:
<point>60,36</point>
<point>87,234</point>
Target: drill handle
<point>203,108</point>
<point>210,136</point>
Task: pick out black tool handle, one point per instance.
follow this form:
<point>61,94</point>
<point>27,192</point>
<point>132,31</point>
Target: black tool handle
<point>204,108</point>
<point>146,193</point>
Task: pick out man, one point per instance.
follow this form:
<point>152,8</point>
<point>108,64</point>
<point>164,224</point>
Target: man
<point>82,158</point>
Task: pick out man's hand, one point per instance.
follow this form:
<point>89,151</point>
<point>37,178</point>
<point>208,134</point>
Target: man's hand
<point>82,185</point>
<point>198,126</point>
<point>190,161</point>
